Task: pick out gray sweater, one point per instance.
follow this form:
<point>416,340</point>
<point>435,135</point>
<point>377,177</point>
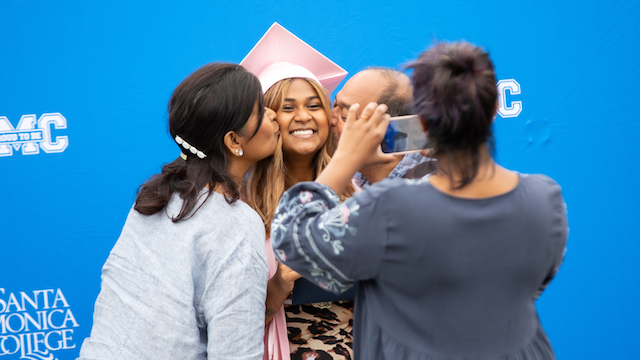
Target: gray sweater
<point>188,290</point>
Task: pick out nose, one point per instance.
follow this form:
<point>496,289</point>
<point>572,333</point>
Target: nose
<point>302,115</point>
<point>271,115</point>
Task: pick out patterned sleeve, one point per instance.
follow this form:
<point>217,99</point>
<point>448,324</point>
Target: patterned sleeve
<point>331,243</point>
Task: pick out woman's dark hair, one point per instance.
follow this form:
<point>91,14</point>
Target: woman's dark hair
<point>454,89</point>
<point>212,101</point>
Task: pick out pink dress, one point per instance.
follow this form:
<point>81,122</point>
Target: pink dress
<point>276,342</point>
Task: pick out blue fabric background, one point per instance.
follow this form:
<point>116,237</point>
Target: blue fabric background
<point>110,67</point>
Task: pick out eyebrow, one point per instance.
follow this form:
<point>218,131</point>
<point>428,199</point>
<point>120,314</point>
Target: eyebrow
<point>309,98</point>
<point>344,105</point>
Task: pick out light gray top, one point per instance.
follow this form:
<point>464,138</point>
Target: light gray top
<point>189,290</point>
<point>440,277</point>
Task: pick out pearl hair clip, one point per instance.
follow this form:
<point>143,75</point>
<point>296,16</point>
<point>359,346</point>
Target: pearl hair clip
<point>189,147</point>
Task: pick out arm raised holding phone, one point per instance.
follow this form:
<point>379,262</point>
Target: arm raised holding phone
<point>359,146</point>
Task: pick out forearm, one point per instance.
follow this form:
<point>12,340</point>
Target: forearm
<point>338,173</point>
<point>311,213</point>
<point>277,293</point>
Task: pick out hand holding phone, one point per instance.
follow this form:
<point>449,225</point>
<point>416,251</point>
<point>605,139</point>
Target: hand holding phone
<point>359,146</point>
<point>404,135</point>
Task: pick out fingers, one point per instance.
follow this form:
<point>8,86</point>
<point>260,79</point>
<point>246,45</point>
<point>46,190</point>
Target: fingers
<point>426,152</point>
<point>378,115</point>
<point>373,116</point>
<point>382,158</point>
<point>367,112</point>
<point>353,110</point>
<point>373,111</point>
<point>383,125</point>
<point>380,112</point>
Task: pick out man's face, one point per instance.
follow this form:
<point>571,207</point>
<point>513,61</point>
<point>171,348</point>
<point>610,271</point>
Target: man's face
<point>363,88</point>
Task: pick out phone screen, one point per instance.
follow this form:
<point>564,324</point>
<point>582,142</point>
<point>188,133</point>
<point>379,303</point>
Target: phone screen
<point>405,134</point>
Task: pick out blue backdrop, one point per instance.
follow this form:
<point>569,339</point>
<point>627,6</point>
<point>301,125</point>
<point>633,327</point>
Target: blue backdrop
<point>83,94</point>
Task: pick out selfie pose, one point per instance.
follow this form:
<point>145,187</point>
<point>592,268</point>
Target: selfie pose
<point>187,277</point>
<point>297,80</point>
<point>449,266</point>
<point>392,88</point>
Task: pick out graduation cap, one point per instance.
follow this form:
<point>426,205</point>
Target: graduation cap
<point>281,55</point>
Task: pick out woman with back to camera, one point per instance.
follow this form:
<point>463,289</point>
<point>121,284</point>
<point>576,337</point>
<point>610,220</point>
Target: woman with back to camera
<point>449,265</point>
<point>187,277</point>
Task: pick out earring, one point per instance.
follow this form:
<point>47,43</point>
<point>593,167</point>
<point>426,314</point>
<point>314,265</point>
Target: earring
<point>239,152</point>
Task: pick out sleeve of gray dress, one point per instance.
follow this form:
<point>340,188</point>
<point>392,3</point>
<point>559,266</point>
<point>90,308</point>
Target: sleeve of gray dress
<point>331,243</point>
<point>559,228</point>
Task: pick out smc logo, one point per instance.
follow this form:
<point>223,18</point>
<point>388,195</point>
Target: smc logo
<point>32,135</point>
<point>513,108</point>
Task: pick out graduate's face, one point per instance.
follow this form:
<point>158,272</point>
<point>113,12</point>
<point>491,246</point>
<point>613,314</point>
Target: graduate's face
<point>303,121</point>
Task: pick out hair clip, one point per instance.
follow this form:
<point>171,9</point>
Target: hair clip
<point>189,147</point>
<point>183,155</point>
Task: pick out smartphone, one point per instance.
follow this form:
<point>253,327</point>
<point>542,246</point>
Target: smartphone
<point>405,135</point>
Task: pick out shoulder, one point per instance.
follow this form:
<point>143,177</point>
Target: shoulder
<point>217,225</point>
<point>215,210</point>
<point>540,184</point>
<point>388,189</point>
<point>539,180</point>
<point>541,191</point>
<point>237,216</point>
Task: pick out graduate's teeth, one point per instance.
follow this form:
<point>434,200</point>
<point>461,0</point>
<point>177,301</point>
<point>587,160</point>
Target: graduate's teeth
<point>302,132</point>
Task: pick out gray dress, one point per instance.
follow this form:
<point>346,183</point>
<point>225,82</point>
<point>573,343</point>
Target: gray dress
<point>441,277</point>
<point>188,290</point>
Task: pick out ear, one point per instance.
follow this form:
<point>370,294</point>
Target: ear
<point>233,142</point>
<point>333,116</point>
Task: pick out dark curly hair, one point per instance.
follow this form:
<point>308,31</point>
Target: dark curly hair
<point>455,94</point>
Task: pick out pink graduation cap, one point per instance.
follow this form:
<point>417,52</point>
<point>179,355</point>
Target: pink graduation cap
<point>280,55</point>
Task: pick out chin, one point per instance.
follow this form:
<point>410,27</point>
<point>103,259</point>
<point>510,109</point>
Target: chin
<point>303,151</point>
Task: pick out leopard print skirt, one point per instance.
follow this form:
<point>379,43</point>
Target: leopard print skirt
<point>320,331</point>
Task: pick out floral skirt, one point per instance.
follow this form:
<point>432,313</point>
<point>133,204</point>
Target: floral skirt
<point>320,331</point>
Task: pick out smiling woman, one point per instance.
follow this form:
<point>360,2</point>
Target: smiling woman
<point>303,111</point>
<point>296,80</point>
<point>302,107</point>
<point>303,116</point>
